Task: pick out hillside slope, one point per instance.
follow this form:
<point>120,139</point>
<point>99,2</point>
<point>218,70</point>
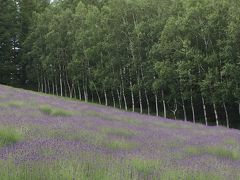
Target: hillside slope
<point>47,137</point>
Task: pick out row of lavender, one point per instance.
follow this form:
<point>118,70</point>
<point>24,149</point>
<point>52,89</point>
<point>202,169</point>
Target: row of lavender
<point>46,137</point>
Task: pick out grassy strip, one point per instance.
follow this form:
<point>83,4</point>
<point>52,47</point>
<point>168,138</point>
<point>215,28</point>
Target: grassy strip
<point>102,168</point>
<point>233,154</point>
<point>9,135</point>
<point>53,111</point>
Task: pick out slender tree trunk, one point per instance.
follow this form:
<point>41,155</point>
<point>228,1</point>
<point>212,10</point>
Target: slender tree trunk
<point>215,112</point>
<point>132,95</point>
<point>147,101</point>
<point>124,99</point>
<point>56,86</point>
<point>113,99</point>
<point>145,92</point>
<point>140,101</point>
<point>65,88</point>
<point>204,111</point>
<point>53,87</point>
<point>226,114</point>
<point>119,99</point>
<point>48,85</point>
<point>61,84</point>
<point>193,110</point>
<point>74,92</point>
<point>71,90</point>
<point>184,110</point>
<point>79,92</point>
<point>123,92</point>
<point>39,86</point>
<point>164,105</point>
<point>45,85</point>
<point>139,93</point>
<point>68,85</point>
<point>92,97</point>
<point>42,84</point>
<point>176,107</point>
<point>156,104</point>
<point>98,96</point>
<point>105,96</point>
<point>85,93</point>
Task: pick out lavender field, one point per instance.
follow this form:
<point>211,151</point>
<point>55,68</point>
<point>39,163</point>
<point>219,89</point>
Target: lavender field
<point>45,137</point>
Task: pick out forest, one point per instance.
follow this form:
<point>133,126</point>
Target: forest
<point>177,59</point>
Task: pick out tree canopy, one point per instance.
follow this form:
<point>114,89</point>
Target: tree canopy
<point>177,59</point>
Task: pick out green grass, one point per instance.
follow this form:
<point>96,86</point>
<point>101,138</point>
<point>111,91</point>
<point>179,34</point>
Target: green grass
<point>107,117</point>
<point>53,111</point>
<point>221,152</point>
<point>15,104</point>
<point>171,125</point>
<point>9,135</point>
<point>120,144</point>
<point>185,175</point>
<point>144,167</point>
<point>102,169</point>
<point>120,132</point>
<point>231,141</point>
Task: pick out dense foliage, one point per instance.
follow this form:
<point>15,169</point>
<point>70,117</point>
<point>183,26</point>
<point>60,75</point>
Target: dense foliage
<point>175,58</point>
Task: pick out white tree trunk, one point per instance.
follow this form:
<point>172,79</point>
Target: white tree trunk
<point>71,91</point>
<point>215,112</point>
<point>105,96</point>
<point>184,110</point>
<point>193,110</point>
<point>123,92</point>
<point>226,114</point>
<point>146,96</point>
<point>65,88</point>
<point>145,92</point>
<point>85,94</point>
<point>61,85</point>
<point>124,99</point>
<point>69,88</point>
<point>113,99</point>
<point>204,111</point>
<point>156,104</point>
<point>79,92</point>
<point>39,86</point>
<point>175,108</point>
<point>119,99</point>
<point>140,101</point>
<point>164,105</point>
<point>98,96</point>
<point>74,92</point>
<point>56,86</point>
<point>132,96</point>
